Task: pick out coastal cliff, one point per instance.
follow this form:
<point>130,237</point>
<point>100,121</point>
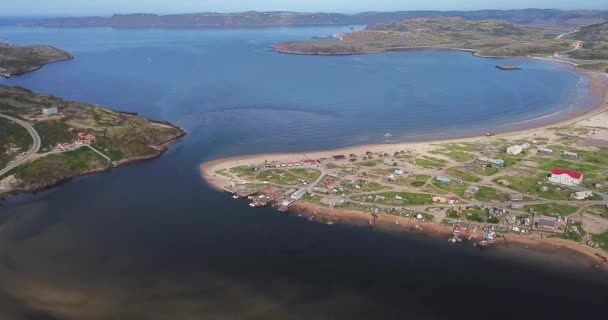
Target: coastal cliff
<point>75,139</point>
<point>16,60</point>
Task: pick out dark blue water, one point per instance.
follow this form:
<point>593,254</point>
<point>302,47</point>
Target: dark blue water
<point>153,241</point>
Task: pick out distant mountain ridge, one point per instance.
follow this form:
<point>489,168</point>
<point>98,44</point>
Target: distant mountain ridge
<point>539,17</point>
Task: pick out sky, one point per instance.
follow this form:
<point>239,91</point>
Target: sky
<point>106,7</point>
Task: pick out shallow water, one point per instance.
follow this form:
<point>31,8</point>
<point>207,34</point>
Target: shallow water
<point>153,241</point>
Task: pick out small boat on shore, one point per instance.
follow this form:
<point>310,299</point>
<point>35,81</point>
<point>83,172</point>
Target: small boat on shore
<point>488,241</point>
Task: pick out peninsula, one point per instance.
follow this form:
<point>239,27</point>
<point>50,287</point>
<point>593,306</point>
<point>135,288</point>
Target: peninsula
<point>16,60</point>
<point>488,38</point>
<point>45,140</point>
<point>543,188</point>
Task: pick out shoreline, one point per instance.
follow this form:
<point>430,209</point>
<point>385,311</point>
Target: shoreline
<point>162,148</point>
<point>20,73</point>
<point>598,85</point>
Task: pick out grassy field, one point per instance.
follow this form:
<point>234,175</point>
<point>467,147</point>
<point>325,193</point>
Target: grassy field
<point>602,239</point>
<point>407,198</point>
<point>551,209</point>
<point>460,152</point>
<point>53,132</point>
<point>462,174</point>
<point>278,176</point>
<point>242,172</point>
<point>14,139</point>
<point>308,174</point>
<point>488,194</point>
<point>529,184</point>
<point>430,162</point>
<point>452,187</point>
<point>55,168</point>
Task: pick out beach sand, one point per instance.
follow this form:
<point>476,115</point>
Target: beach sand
<point>598,117</point>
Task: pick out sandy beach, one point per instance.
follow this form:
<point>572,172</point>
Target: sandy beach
<point>597,117</point>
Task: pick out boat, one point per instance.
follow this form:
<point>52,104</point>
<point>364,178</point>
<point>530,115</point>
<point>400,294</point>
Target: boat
<point>507,67</point>
<point>235,197</point>
<point>490,134</point>
<point>488,241</point>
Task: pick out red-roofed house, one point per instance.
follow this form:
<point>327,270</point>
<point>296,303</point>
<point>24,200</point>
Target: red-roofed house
<point>566,177</point>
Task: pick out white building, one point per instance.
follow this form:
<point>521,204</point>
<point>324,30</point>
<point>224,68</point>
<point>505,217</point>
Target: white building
<point>398,171</point>
<point>515,150</point>
<point>298,194</point>
<point>582,195</point>
<point>566,177</point>
<point>51,110</point>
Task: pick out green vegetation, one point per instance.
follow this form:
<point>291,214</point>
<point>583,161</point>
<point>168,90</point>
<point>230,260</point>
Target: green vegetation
<point>21,59</point>
<point>452,187</point>
<point>463,175</point>
<point>14,139</point>
<point>595,46</point>
<point>488,194</point>
<point>243,171</point>
<point>430,162</point>
<point>601,239</point>
<point>118,135</point>
<point>460,152</point>
<point>552,209</point>
<point>492,38</point>
<point>598,210</point>
<point>53,132</point>
<point>399,198</point>
<point>280,177</point>
<point>309,175</point>
<point>529,184</point>
<point>370,163</point>
<point>58,167</point>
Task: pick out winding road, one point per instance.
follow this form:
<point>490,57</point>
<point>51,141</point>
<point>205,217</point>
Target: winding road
<point>35,146</point>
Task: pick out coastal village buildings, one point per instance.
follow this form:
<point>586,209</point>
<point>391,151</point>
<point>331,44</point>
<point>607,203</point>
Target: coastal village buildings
<point>517,149</point>
<point>566,177</point>
<point>582,195</point>
<point>496,163</point>
<point>516,197</point>
<point>471,191</point>
<point>50,110</point>
<point>298,194</point>
<point>545,151</point>
<point>570,155</point>
<point>443,179</point>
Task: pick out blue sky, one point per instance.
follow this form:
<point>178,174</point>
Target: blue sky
<point>105,7</point>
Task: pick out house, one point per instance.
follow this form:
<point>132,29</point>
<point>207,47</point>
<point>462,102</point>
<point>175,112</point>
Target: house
<point>570,155</point>
<point>516,197</point>
<point>439,199</point>
<point>545,151</point>
<point>298,194</point>
<point>454,200</point>
<point>339,157</point>
<point>50,110</point>
<point>546,224</point>
<point>496,163</point>
<point>309,161</point>
<point>398,171</point>
<point>86,136</point>
<point>582,195</point>
<point>566,177</point>
<point>471,191</point>
<point>443,179</point>
<point>515,150</point>
<point>517,206</point>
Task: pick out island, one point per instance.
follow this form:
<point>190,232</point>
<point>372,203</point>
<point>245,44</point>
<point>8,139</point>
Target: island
<point>540,188</point>
<point>45,140</point>
<point>17,60</point>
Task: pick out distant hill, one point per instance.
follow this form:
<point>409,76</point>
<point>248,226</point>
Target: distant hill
<point>595,42</point>
<point>549,18</point>
<point>489,37</point>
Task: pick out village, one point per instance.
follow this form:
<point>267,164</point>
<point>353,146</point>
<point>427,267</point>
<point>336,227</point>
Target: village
<point>552,185</point>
